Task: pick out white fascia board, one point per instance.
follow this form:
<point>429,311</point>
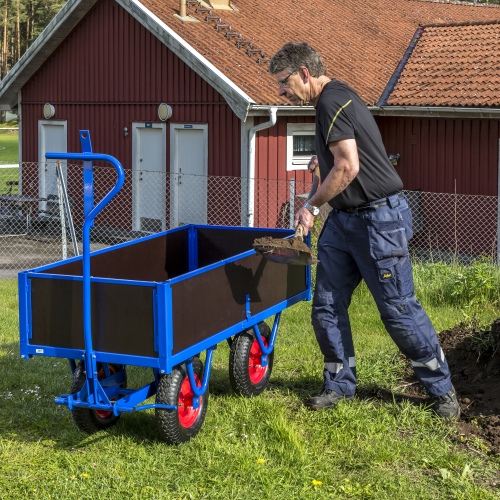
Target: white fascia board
<point>436,112</point>
<point>49,39</point>
<point>238,100</point>
<point>410,111</point>
<point>263,110</point>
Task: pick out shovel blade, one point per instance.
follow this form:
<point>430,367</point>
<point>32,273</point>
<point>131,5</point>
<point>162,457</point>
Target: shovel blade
<point>286,256</point>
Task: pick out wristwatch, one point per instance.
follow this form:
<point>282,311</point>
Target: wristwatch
<point>314,210</point>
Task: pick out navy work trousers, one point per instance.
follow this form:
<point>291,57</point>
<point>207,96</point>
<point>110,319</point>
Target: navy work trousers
<point>372,244</point>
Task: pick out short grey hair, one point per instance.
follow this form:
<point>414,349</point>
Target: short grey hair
<point>294,55</point>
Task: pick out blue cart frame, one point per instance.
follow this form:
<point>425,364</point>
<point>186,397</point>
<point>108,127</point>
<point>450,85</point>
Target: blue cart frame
<point>156,302</point>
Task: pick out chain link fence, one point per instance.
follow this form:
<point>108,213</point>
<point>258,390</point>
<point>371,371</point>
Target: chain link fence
<point>41,212</point>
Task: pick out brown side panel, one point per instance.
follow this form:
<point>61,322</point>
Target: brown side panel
<point>212,301</point>
<point>216,244</point>
<point>156,259</point>
<point>122,316</point>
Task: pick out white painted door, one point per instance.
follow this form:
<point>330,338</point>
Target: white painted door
<point>148,177</point>
<point>189,168</point>
<point>52,137</point>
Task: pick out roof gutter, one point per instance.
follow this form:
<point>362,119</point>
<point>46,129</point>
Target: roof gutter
<point>436,112</point>
<point>251,162</point>
<point>411,111</point>
<point>260,109</point>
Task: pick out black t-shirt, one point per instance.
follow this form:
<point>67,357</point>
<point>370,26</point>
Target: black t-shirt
<point>341,114</point>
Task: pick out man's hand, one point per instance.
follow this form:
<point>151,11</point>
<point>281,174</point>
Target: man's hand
<point>303,216</point>
<point>313,163</point>
<point>305,219</point>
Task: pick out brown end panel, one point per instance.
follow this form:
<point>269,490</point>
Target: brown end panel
<point>156,259</point>
<point>212,301</point>
<point>215,244</point>
<point>122,316</point>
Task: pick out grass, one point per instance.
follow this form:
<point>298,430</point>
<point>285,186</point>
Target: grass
<point>9,153</point>
<point>265,447</point>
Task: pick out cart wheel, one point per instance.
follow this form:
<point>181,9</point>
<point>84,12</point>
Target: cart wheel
<point>179,425</point>
<point>247,375</point>
<point>91,421</point>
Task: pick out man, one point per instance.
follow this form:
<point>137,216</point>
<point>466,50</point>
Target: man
<point>365,236</point>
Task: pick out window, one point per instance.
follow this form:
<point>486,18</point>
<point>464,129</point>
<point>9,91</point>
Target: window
<point>300,145</point>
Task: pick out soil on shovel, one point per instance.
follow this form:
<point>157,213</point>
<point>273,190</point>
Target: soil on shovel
<point>285,251</point>
<point>474,360</point>
<point>294,244</point>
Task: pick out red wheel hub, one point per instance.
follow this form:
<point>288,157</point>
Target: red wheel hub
<point>188,414</point>
<point>255,369</point>
<point>104,414</point>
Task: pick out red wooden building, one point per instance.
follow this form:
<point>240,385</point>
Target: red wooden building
<point>168,91</point>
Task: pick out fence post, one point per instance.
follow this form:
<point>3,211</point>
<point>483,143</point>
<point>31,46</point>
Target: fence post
<point>498,207</point>
<point>292,202</point>
<point>61,212</point>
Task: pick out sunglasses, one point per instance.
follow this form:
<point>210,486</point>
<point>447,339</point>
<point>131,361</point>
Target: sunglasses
<point>285,80</point>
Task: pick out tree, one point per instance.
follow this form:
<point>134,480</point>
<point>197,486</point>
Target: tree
<point>21,22</point>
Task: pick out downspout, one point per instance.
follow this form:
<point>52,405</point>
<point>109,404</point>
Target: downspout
<point>251,162</point>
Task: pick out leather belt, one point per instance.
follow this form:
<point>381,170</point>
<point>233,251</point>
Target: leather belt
<point>372,204</point>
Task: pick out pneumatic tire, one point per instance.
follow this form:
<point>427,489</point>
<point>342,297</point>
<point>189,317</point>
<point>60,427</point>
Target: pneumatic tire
<point>87,420</point>
<point>247,375</point>
<point>179,425</point>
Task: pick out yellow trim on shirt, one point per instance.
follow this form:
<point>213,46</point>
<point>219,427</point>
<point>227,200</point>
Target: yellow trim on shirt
<point>335,117</point>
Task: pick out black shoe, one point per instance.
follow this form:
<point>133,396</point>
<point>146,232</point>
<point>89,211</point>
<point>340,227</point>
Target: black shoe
<point>326,399</point>
<point>446,406</point>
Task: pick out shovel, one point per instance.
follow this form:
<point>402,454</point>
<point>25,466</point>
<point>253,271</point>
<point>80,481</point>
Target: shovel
<point>290,250</point>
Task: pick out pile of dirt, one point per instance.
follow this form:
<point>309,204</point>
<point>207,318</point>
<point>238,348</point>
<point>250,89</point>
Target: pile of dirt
<point>474,360</point>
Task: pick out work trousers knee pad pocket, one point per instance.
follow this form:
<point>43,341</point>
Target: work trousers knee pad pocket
<point>322,304</point>
<point>395,276</point>
<point>410,343</point>
<point>326,310</point>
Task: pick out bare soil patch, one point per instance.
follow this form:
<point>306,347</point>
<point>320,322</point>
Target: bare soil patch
<point>474,359</point>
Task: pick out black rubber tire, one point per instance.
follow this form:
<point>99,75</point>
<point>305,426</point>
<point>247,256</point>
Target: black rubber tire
<point>247,378</point>
<point>91,421</point>
<point>179,425</point>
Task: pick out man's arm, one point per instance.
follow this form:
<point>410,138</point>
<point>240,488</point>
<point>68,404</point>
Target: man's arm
<point>345,169</point>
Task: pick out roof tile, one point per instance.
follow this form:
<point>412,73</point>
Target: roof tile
<point>361,42</point>
<point>452,65</point>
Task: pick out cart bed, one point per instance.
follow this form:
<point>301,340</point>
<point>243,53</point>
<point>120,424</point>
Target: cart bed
<point>158,297</point>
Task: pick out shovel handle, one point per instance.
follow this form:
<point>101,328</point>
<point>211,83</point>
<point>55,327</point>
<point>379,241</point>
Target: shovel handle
<point>299,232</point>
<point>315,183</point>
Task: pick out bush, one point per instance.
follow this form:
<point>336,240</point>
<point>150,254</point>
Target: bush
<point>459,285</point>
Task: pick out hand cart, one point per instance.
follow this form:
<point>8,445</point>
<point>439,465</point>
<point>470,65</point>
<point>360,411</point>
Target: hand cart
<point>156,302</point>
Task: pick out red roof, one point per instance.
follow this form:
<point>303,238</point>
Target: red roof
<point>452,65</point>
<point>361,42</point>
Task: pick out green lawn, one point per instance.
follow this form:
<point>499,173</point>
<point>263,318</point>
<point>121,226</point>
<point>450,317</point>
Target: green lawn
<point>7,175</point>
<point>267,447</point>
<point>9,153</point>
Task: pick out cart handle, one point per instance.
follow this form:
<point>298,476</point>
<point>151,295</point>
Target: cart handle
<point>90,360</point>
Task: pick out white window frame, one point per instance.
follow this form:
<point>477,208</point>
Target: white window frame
<point>292,129</point>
